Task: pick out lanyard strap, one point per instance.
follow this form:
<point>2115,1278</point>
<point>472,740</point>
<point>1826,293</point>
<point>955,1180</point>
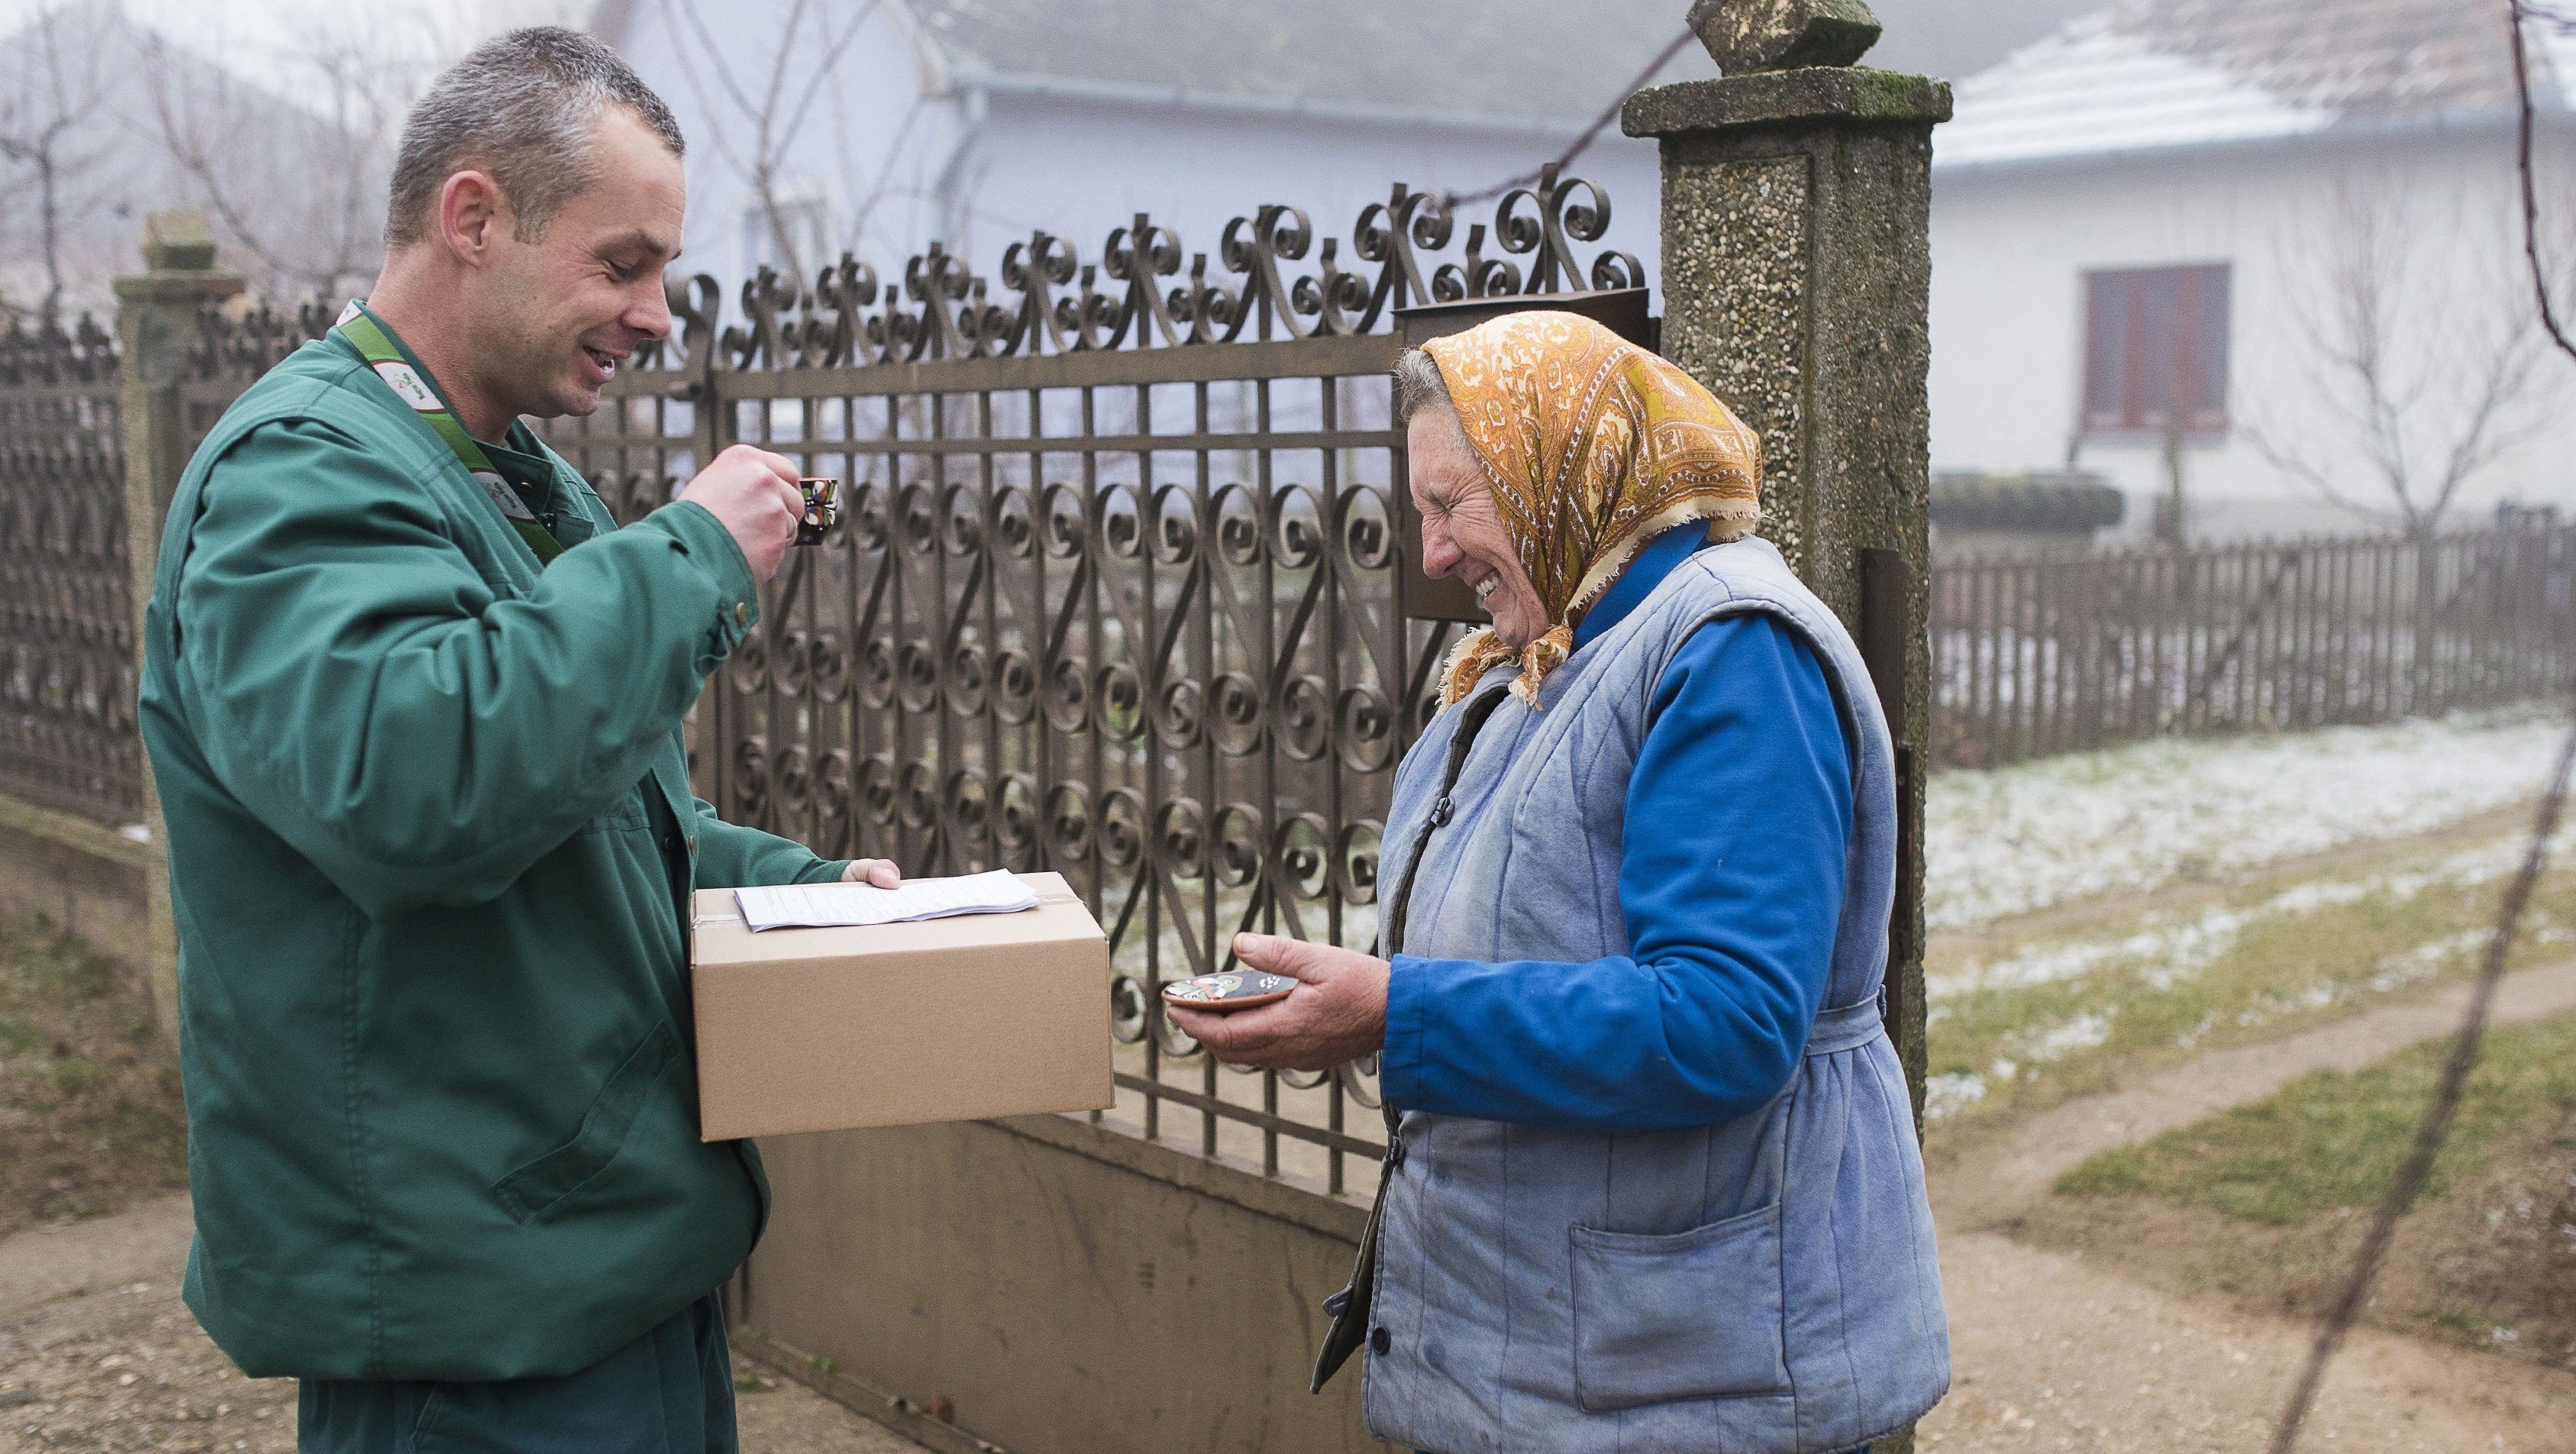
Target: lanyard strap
<point>1350,1308</point>
<point>377,347</point>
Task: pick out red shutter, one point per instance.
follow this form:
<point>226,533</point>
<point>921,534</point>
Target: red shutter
<point>2155,343</point>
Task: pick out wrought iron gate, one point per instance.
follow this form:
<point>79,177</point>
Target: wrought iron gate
<point>1114,593</point>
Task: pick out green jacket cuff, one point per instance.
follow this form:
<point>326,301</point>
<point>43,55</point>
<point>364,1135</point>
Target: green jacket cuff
<point>704,539</point>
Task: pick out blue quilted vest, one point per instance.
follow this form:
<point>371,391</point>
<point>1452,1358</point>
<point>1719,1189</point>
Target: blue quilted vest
<point>1762,1286</point>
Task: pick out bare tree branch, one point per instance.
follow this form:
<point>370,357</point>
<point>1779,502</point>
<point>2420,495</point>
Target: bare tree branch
<point>773,120</point>
<point>44,113</point>
<point>2406,334</point>
<point>2520,14</point>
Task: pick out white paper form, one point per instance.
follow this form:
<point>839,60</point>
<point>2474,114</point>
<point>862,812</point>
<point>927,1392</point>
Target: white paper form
<point>815,906</point>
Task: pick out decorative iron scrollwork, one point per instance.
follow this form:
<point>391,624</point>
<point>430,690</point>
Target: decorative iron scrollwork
<point>1145,289</point>
<point>67,737</point>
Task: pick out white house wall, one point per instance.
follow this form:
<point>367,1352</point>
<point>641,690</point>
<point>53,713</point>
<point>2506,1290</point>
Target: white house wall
<point>2011,244</point>
<point>1079,169</point>
<point>979,174</point>
<point>872,143</point>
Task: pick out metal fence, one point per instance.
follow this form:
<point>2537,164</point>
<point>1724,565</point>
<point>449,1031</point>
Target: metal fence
<point>67,619</point>
<point>2040,656</point>
<point>1114,594</point>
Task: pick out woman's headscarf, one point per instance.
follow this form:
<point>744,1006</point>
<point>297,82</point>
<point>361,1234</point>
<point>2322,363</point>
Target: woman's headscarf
<point>1593,447</point>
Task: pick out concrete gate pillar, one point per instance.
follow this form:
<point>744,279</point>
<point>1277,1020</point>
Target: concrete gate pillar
<point>1797,274</point>
<point>1797,269</point>
<point>156,327</point>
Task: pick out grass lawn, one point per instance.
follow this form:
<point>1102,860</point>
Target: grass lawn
<point>89,1102</point>
<point>2268,1201</point>
<point>2018,1025</point>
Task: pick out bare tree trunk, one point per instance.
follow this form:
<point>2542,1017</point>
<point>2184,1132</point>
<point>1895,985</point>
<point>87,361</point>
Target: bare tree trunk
<point>2428,612</point>
<point>2172,527</point>
<point>2411,337</point>
<point>49,208</point>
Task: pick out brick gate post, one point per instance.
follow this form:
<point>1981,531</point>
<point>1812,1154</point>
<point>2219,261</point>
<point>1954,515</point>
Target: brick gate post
<point>156,325</point>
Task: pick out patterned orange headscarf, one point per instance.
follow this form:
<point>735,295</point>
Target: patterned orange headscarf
<point>1593,447</point>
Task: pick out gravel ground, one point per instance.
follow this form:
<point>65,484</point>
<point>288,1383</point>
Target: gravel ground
<point>98,1354</point>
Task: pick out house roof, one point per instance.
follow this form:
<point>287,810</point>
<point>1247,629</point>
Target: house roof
<point>1536,63</point>
<point>2144,74</point>
<point>1547,65</point>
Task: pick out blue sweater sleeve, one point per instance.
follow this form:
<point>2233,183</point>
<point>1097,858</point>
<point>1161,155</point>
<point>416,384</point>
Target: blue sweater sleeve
<point>1731,880</point>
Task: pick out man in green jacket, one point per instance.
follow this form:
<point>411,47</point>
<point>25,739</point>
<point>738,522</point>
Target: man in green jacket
<point>413,703</point>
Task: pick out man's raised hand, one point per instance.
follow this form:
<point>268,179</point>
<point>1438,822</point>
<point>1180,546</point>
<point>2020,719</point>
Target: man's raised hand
<point>754,494</point>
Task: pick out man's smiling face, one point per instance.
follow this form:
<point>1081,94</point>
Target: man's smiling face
<point>564,310</point>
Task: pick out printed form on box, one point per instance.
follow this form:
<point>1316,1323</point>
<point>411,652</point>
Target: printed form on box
<point>821,906</point>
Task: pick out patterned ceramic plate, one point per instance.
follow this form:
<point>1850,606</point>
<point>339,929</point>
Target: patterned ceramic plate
<point>1234,990</point>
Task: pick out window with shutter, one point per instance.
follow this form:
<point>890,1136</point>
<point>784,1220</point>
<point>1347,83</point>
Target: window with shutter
<point>2155,342</point>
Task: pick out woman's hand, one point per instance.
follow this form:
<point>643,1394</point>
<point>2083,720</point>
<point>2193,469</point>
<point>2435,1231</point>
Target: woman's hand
<point>1336,1014</point>
<point>880,872</point>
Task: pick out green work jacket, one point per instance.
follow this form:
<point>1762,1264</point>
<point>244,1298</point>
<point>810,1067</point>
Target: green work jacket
<point>435,1025</point>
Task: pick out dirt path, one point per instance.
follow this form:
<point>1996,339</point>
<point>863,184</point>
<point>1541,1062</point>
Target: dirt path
<point>98,1353</point>
<point>2053,1353</point>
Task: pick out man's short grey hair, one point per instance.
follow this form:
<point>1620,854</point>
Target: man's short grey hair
<point>1418,386</point>
<point>525,107</point>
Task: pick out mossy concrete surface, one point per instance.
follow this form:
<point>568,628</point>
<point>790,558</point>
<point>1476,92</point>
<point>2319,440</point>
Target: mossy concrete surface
<point>1797,286</point>
<point>1764,100</point>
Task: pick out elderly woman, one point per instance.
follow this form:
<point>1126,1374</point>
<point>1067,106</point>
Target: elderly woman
<point>1655,1184</point>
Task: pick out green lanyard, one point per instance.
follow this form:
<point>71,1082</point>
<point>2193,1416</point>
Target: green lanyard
<point>413,387</point>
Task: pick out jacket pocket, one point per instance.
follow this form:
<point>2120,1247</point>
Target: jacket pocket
<point>534,1190</point>
<point>1692,1314</point>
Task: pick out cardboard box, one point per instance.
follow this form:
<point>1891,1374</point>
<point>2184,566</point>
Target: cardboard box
<point>943,1020</point>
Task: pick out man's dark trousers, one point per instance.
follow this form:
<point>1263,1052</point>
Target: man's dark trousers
<point>668,1392</point>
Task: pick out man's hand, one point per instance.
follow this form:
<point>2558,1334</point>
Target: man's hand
<point>1336,1014</point>
<point>753,492</point>
<point>877,871</point>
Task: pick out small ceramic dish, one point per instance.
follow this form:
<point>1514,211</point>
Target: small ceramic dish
<point>1234,990</point>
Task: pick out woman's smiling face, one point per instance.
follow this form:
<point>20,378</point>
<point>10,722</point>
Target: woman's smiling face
<point>1462,531</point>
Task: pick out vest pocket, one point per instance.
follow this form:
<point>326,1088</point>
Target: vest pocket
<point>1692,1314</point>
<point>533,1190</point>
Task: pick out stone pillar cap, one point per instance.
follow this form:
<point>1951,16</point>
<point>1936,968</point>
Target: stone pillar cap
<point>1780,35</point>
<point>178,242</point>
<point>1845,94</point>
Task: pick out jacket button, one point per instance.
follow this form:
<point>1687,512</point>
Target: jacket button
<point>1380,1340</point>
<point>693,843</point>
<point>1395,1153</point>
<point>742,613</point>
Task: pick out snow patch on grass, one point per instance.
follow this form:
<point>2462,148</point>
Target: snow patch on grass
<point>2061,1040</point>
<point>2015,839</point>
<point>1951,1092</point>
<point>2172,952</point>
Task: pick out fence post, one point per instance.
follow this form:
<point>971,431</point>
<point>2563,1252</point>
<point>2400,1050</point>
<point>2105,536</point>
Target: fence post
<point>156,324</point>
<point>1797,273</point>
